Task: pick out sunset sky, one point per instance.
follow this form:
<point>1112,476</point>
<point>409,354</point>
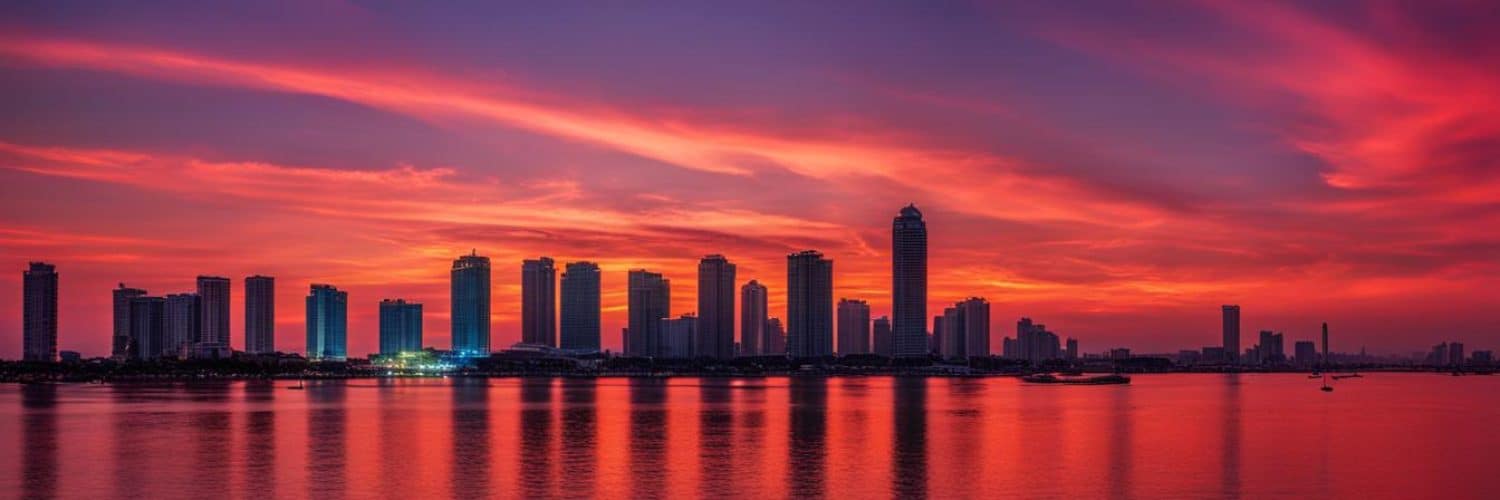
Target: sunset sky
<point>1114,171</point>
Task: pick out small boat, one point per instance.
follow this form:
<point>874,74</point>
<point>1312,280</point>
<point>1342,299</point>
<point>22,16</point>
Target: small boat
<point>1047,378</point>
<point>297,387</point>
<point>1352,375</point>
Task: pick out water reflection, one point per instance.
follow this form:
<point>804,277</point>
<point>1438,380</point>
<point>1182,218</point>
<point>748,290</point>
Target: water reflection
<point>1229,447</point>
<point>129,440</point>
<point>470,471</point>
<point>1120,445</point>
<point>327,440</point>
<point>260,441</point>
<point>579,436</point>
<point>536,437</point>
<point>715,437</point>
<point>209,424</point>
<point>909,456</point>
<point>648,436</point>
<point>399,428</point>
<point>808,432</point>
<point>39,428</point>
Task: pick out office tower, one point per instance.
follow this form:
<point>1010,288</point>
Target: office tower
<point>854,327</point>
<point>935,341</point>
<point>470,305</point>
<point>882,333</point>
<point>1009,349</point>
<point>147,327</point>
<point>184,316</point>
<point>39,312</point>
<point>1305,353</point>
<point>1455,353</point>
<point>909,283</point>
<point>213,317</point>
<point>809,305</point>
<point>1439,355</point>
<point>400,327</point>
<point>975,312</point>
<point>1270,349</point>
<point>1034,343</point>
<point>121,348</point>
<point>753,313</point>
<point>775,337</point>
<point>1326,360</point>
<point>1232,334</point>
<point>580,306</point>
<point>260,315</point>
<point>539,302</point>
<point>677,337</point>
<point>715,308</point>
<point>327,323</point>
<point>649,301</point>
<point>951,332</point>
<point>1072,350</point>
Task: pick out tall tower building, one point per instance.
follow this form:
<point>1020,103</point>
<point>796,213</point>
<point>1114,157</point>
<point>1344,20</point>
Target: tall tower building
<point>775,337</point>
<point>580,307</point>
<point>470,303</point>
<point>148,327</point>
<point>715,328</point>
<point>400,327</point>
<point>260,315</point>
<point>1231,334</point>
<point>213,317</point>
<point>1326,360</point>
<point>753,319</point>
<point>976,326</point>
<point>121,348</point>
<point>650,301</point>
<point>882,333</point>
<point>854,327</point>
<point>184,312</point>
<point>327,323</point>
<point>539,302</point>
<point>909,283</point>
<point>39,313</point>
<point>809,305</point>
<point>953,344</point>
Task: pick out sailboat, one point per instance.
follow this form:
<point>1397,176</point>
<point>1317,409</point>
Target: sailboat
<point>1326,387</point>
<point>299,385</point>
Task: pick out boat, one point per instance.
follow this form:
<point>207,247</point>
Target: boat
<point>1047,378</point>
<point>1352,375</point>
<point>297,387</point>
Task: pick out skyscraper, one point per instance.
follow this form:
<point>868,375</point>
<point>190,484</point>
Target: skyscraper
<point>327,323</point>
<point>1071,353</point>
<point>753,319</point>
<point>183,316</point>
<point>260,315</point>
<point>909,283</point>
<point>976,326</point>
<point>539,302</point>
<point>121,348</point>
<point>580,307</point>
<point>882,334</point>
<point>148,323</point>
<point>809,305</point>
<point>400,327</point>
<point>775,337</point>
<point>213,317</point>
<point>854,327</point>
<point>1231,334</point>
<point>1326,360</point>
<point>677,336</point>
<point>470,303</point>
<point>39,312</point>
<point>650,300</point>
<point>715,329</point>
<point>951,330</point>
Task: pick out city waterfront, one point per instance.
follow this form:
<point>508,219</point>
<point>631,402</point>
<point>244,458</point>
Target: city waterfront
<point>1385,435</point>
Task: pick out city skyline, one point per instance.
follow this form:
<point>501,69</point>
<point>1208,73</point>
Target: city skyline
<point>1118,175</point>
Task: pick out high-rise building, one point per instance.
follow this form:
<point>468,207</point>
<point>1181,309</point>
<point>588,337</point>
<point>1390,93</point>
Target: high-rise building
<point>580,306</point>
<point>148,323</point>
<point>1231,333</point>
<point>753,314</point>
<point>1455,354</point>
<point>39,313</point>
<point>121,348</point>
<point>184,315</point>
<point>327,323</point>
<point>935,341</point>
<point>260,315</point>
<point>715,327</point>
<point>1326,359</point>
<point>649,301</point>
<point>909,283</point>
<point>400,327</point>
<point>1034,343</point>
<point>539,302</point>
<point>854,327</point>
<point>951,332</point>
<point>975,312</point>
<point>809,305</point>
<point>882,333</point>
<point>1271,349</point>
<point>677,336</point>
<point>775,337</point>
<point>1071,353</point>
<point>1305,353</point>
<point>470,305</point>
<point>213,317</point>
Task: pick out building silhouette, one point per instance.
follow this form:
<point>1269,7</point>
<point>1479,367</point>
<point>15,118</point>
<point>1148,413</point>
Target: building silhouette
<point>39,312</point>
<point>948,334</point>
<point>1231,334</point>
<point>260,315</point>
<point>1034,343</point>
<point>975,312</point>
<point>881,333</point>
<point>400,327</point>
<point>213,317</point>
<point>1070,353</point>
<point>678,336</point>
<point>809,305</point>
<point>649,301</point>
<point>753,316</point>
<point>1305,353</point>
<point>148,324</point>
<point>184,317</point>
<point>470,305</point>
<point>775,337</point>
<point>580,306</point>
<point>909,283</point>
<point>539,302</point>
<point>327,323</point>
<point>715,328</point>
<point>854,327</point>
<point>120,347</point>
